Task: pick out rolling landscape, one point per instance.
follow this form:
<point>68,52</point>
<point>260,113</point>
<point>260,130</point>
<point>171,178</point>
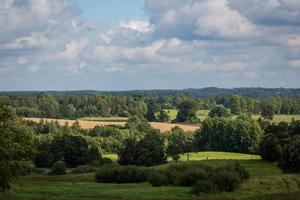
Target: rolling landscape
<point>149,100</point>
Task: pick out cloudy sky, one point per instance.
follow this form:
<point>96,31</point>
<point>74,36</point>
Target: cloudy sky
<point>148,44</point>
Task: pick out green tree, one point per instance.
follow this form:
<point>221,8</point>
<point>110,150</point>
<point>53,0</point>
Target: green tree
<point>151,110</point>
<point>163,116</point>
<point>75,150</point>
<point>48,105</point>
<point>219,111</point>
<point>127,154</point>
<point>267,111</point>
<point>150,150</point>
<point>269,148</point>
<point>289,161</point>
<point>187,111</point>
<point>16,146</point>
<point>176,143</point>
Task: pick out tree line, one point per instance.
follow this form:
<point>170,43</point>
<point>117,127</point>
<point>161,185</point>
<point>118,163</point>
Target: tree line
<point>47,105</point>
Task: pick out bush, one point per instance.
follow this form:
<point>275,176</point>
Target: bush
<point>122,174</point>
<point>83,169</point>
<point>289,162</point>
<point>204,186</point>
<point>58,168</point>
<point>226,180</point>
<point>158,179</point>
<point>106,161</point>
<point>269,148</point>
<point>190,177</point>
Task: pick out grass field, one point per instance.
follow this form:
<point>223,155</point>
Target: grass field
<point>266,182</point>
<point>203,114</point>
<point>105,119</point>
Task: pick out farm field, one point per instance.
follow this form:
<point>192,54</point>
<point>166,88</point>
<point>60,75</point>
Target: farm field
<point>267,182</point>
<point>203,114</point>
<point>105,119</point>
<point>91,124</point>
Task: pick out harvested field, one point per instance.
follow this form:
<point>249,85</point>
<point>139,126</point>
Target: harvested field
<point>91,124</point>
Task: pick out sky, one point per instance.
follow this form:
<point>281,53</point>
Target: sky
<point>148,44</point>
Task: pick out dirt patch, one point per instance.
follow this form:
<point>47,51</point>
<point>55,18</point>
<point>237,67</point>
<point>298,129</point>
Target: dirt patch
<point>91,124</point>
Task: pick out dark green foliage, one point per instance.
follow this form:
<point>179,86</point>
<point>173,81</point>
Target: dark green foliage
<point>190,176</point>
<point>158,179</point>
<point>83,169</point>
<point>44,157</point>
<point>58,168</point>
<point>224,134</point>
<point>122,174</point>
<point>152,108</point>
<point>150,150</point>
<point>204,178</point>
<point>127,154</point>
<point>187,111</point>
<point>294,128</point>
<point>226,180</point>
<point>289,161</point>
<point>106,161</point>
<point>267,111</point>
<point>269,148</point>
<point>204,187</point>
<point>219,111</point>
<point>16,145</point>
<point>163,116</point>
<point>138,125</point>
<point>94,154</point>
<point>76,150</point>
<point>175,144</point>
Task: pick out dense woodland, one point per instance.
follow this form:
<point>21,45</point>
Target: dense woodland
<point>73,105</point>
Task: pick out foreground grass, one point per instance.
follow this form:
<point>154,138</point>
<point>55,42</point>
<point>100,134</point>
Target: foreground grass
<point>267,182</point>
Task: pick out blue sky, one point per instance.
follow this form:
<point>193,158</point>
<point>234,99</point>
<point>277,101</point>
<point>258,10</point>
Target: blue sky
<point>148,44</point>
<point>111,12</point>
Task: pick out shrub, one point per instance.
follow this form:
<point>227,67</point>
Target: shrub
<point>122,174</point>
<point>83,169</point>
<point>58,168</point>
<point>106,161</point>
<point>226,180</point>
<point>190,177</point>
<point>158,179</point>
<point>269,148</point>
<point>204,186</point>
<point>290,159</point>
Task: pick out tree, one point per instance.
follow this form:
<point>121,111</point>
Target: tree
<point>151,109</point>
<point>187,111</point>
<point>16,146</point>
<point>150,150</point>
<point>48,105</point>
<point>289,161</point>
<point>267,111</point>
<point>269,148</point>
<point>75,150</point>
<point>225,134</point>
<point>163,116</point>
<point>176,143</point>
<point>127,154</point>
<point>94,153</point>
<point>219,111</point>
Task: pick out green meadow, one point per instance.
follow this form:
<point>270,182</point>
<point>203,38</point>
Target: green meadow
<point>267,182</point>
